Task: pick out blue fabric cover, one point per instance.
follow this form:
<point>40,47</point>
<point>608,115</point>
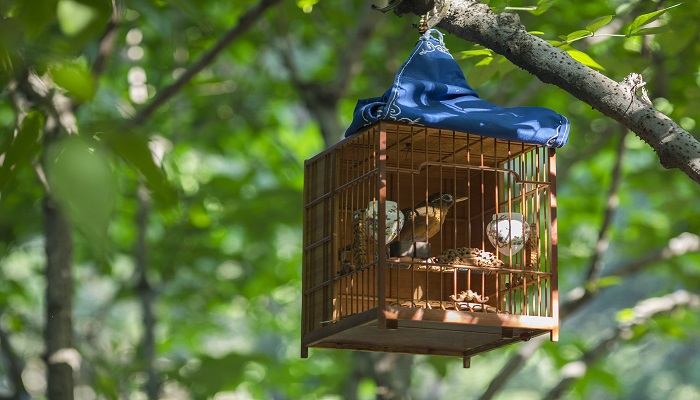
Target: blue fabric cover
<point>430,90</point>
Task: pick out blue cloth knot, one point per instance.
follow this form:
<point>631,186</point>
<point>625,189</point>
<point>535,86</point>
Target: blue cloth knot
<point>430,90</point>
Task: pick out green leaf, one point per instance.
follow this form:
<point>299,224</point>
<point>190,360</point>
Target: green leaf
<point>648,18</point>
<point>76,79</point>
<point>577,35</point>
<point>598,23</point>
<point>625,315</point>
<point>81,181</point>
<point>22,148</point>
<point>542,7</point>
<point>474,53</point>
<point>652,31</point>
<point>136,152</point>
<point>584,59</point>
<point>75,16</point>
<point>481,72</point>
<point>306,5</point>
<point>609,281</point>
<point>555,43</point>
<point>37,16</point>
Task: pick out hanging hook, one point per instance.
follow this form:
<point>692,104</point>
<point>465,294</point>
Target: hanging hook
<point>438,12</point>
<point>423,24</point>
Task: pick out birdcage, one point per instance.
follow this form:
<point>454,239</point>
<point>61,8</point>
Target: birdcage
<point>428,241</point>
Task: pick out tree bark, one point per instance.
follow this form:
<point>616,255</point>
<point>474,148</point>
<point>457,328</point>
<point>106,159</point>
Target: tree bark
<point>61,357</point>
<point>503,33</point>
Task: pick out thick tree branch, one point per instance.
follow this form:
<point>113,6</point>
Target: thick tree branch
<point>473,21</point>
<point>244,23</point>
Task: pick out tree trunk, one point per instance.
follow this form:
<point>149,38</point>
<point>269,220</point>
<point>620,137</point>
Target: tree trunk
<point>59,292</point>
<point>61,357</point>
<point>146,295</point>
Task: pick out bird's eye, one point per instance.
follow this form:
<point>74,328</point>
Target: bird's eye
<point>446,197</point>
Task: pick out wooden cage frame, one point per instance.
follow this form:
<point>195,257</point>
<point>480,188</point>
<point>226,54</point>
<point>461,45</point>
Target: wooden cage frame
<point>360,310</point>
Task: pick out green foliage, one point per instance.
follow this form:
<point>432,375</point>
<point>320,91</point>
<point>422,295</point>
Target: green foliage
<point>80,178</point>
<point>646,19</point>
<point>584,59</point>
<point>76,79</point>
<point>21,150</point>
<point>223,229</point>
<point>134,149</point>
<point>598,23</point>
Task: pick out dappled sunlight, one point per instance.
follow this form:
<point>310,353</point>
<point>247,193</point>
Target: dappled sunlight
<point>152,201</point>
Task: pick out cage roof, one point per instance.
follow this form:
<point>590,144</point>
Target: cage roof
<point>430,90</point>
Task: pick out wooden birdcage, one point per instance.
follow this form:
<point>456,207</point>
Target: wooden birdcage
<point>447,291</point>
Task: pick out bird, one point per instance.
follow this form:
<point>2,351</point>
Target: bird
<point>433,213</point>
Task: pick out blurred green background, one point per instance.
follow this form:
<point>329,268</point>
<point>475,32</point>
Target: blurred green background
<point>186,224</point>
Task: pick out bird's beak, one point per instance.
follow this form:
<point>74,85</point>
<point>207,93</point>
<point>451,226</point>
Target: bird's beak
<point>461,199</point>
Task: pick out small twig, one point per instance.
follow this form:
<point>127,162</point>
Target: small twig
<point>14,365</point>
<point>107,41</point>
<point>613,202</point>
<point>146,294</point>
<point>244,23</point>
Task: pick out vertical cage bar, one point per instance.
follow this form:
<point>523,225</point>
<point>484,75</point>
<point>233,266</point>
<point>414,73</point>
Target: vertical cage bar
<point>555,240</point>
<point>331,177</point>
<point>381,226</point>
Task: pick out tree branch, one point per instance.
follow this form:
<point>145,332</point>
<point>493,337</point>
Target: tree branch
<point>14,368</point>
<point>107,41</point>
<point>644,311</point>
<point>527,350</point>
<point>321,98</point>
<point>244,23</point>
<point>146,294</point>
<point>473,21</point>
<point>578,297</point>
<point>684,243</point>
<point>603,242</point>
<point>524,353</point>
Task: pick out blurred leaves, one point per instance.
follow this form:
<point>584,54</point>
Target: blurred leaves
<point>20,151</point>
<point>136,152</point>
<point>81,180</point>
<point>75,16</point>
<point>224,232</point>
<point>76,78</point>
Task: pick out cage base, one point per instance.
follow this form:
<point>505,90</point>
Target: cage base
<point>428,332</point>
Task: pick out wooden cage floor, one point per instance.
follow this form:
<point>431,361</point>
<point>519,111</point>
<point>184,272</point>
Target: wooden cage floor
<point>429,332</point>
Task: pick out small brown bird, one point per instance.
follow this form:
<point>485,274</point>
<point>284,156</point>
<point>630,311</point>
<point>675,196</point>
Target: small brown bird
<point>431,215</point>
